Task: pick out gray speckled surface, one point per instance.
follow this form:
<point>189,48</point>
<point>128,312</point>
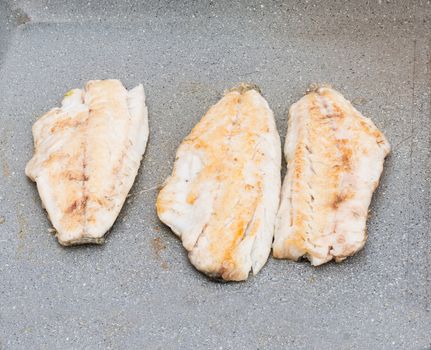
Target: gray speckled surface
<point>138,290</point>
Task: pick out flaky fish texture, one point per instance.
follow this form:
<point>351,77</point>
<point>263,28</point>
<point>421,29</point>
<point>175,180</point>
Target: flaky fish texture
<point>335,157</point>
<point>87,154</point>
<point>223,194</point>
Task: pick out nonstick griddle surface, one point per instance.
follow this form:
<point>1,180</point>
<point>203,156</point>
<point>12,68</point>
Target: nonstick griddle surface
<point>138,291</point>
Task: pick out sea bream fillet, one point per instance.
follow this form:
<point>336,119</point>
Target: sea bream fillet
<point>223,194</point>
<point>87,154</point>
<point>335,157</point>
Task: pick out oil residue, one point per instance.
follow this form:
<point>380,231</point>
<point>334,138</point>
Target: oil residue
<point>5,166</point>
<point>21,17</point>
<point>22,232</point>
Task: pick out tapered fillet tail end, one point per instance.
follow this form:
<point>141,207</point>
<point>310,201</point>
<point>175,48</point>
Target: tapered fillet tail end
<point>314,87</point>
<point>244,87</point>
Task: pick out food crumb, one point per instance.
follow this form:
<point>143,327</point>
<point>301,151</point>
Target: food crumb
<point>158,245</point>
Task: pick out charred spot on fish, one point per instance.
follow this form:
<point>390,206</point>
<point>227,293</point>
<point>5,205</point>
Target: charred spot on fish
<point>339,198</point>
<point>78,205</point>
<point>72,207</point>
<point>77,177</point>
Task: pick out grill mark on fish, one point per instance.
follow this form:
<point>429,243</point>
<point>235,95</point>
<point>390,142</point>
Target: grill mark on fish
<point>219,184</point>
<point>228,264</point>
<point>240,233</point>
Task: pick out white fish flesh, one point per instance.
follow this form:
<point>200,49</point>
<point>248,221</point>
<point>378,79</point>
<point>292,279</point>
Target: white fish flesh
<point>223,194</point>
<point>335,157</point>
<point>87,155</point>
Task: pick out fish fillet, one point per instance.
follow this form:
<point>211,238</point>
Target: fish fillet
<point>87,154</point>
<point>223,194</point>
<point>335,157</point>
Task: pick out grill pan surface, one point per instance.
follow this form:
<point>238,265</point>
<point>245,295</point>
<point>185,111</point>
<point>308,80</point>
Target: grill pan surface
<point>138,290</point>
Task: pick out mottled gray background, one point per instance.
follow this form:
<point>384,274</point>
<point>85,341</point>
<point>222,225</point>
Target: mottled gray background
<point>138,291</point>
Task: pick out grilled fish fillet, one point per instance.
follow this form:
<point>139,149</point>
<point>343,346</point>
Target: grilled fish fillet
<point>87,154</point>
<point>223,194</point>
<point>335,157</point>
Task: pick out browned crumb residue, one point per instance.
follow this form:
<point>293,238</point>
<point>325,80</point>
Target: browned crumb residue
<point>158,247</point>
<point>5,166</point>
<point>21,17</point>
<point>22,226</point>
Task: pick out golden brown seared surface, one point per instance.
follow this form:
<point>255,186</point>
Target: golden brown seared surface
<point>335,157</point>
<point>87,154</point>
<point>222,196</point>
